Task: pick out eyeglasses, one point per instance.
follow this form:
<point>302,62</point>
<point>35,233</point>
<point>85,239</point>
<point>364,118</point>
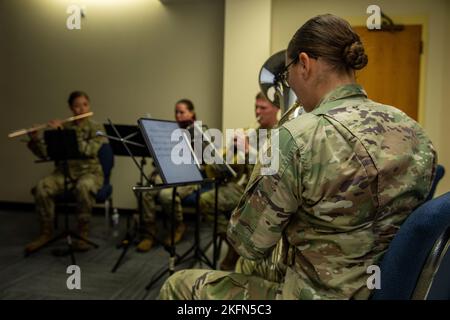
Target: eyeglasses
<point>283,75</point>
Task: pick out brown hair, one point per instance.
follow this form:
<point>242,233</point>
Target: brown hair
<point>261,96</point>
<point>189,105</point>
<point>76,94</point>
<point>331,38</point>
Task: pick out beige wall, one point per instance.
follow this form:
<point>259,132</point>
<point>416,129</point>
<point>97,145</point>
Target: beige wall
<point>133,57</point>
<point>246,47</point>
<point>434,15</point>
<point>138,56</point>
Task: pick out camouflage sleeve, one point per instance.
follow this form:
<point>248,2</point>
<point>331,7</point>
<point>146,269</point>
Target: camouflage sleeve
<point>38,148</point>
<point>269,201</point>
<point>90,145</point>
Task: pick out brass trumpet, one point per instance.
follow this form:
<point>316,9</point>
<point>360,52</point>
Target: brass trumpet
<point>21,132</point>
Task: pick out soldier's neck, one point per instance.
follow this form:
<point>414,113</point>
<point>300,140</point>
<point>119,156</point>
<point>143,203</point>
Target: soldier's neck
<point>324,85</point>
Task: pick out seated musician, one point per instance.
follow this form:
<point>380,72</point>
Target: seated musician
<point>185,116</point>
<point>233,189</point>
<point>85,175</point>
<point>351,171</point>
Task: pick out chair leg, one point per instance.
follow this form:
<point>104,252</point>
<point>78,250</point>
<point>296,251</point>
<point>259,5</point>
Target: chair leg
<point>107,206</point>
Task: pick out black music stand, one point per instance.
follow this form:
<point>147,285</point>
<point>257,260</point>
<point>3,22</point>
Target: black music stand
<point>62,146</point>
<point>157,135</point>
<point>198,255</point>
<point>126,140</point>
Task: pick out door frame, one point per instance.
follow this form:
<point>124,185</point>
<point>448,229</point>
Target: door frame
<point>423,21</point>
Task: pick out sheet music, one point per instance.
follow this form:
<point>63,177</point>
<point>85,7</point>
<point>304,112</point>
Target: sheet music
<point>157,134</point>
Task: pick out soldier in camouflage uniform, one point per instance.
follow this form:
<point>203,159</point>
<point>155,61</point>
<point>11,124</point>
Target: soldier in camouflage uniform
<point>85,175</point>
<point>185,116</point>
<point>233,188</point>
<point>351,171</point>
<point>164,196</point>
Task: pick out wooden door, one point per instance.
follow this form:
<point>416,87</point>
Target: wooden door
<point>392,74</point>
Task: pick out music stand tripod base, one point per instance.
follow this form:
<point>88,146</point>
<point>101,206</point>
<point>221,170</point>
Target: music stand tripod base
<point>194,253</point>
<point>126,140</point>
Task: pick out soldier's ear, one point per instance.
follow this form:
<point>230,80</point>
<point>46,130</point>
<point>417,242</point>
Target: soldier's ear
<point>304,63</point>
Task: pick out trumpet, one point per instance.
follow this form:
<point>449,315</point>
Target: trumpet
<point>21,132</point>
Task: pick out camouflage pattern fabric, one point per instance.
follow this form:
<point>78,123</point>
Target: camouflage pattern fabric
<point>252,280</point>
<point>230,192</point>
<point>350,173</point>
<point>218,285</point>
<point>270,267</point>
<point>88,143</point>
<point>228,197</point>
<point>164,196</point>
<point>85,175</point>
<point>149,201</point>
<point>84,188</point>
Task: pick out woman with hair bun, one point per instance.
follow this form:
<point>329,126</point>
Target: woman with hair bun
<point>351,170</point>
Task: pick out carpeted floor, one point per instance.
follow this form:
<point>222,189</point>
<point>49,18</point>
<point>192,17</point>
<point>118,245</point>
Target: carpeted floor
<point>43,274</point>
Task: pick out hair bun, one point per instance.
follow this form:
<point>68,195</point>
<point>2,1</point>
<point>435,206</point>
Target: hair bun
<point>354,56</point>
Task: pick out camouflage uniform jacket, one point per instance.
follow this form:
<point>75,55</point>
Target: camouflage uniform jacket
<point>88,143</point>
<point>350,172</point>
<point>239,163</point>
<point>245,170</point>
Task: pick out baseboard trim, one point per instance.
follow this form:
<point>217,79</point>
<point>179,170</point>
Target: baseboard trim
<point>16,206</point>
<point>189,213</point>
<point>29,206</point>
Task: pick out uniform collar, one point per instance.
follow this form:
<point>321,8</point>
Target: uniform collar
<point>341,92</point>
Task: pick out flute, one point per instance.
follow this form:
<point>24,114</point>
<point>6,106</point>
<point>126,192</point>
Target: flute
<point>21,132</point>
